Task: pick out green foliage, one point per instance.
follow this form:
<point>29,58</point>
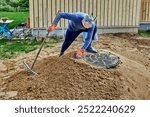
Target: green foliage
<point>144,33</point>
<point>6,8</point>
<point>11,49</point>
<point>14,5</point>
<point>24,3</point>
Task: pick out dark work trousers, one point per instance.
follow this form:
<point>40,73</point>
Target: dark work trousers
<point>71,36</point>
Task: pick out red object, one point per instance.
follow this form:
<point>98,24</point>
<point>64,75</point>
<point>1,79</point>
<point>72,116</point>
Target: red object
<point>51,28</point>
<point>28,23</point>
<point>4,19</point>
<point>79,54</point>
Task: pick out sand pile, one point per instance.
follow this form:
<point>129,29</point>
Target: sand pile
<point>66,78</point>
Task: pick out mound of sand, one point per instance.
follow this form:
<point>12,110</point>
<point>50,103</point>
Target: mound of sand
<point>66,78</point>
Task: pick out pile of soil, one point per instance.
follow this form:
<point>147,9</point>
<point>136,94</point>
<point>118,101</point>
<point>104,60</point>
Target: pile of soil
<point>66,78</point>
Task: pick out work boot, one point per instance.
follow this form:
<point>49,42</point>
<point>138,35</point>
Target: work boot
<point>61,53</point>
<point>91,49</point>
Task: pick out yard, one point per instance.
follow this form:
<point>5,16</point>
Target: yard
<point>18,17</point>
<point>68,78</point>
<point>14,48</point>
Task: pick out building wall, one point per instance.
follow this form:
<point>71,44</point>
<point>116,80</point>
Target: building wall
<point>145,11</point>
<point>111,14</point>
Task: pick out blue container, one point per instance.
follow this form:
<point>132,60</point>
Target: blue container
<point>145,26</point>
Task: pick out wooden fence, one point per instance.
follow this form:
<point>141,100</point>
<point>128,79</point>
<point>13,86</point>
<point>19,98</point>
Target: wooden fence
<point>145,11</point>
<point>109,13</point>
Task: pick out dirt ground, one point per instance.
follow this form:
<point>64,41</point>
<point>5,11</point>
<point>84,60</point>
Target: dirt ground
<point>68,78</point>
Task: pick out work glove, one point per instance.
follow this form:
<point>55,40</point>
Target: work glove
<point>79,54</point>
<point>52,28</point>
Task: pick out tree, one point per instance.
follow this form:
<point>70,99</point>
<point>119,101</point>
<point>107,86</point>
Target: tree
<point>14,3</point>
<point>3,2</point>
<point>24,3</point>
<point>7,1</point>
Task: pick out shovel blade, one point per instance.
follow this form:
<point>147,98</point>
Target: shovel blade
<point>28,68</point>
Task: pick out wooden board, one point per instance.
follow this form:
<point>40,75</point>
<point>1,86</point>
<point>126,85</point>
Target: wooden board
<point>110,13</point>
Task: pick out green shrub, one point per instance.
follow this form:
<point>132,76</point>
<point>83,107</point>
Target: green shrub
<point>6,8</point>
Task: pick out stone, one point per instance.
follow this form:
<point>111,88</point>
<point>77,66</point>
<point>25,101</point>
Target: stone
<point>6,77</point>
<point>2,66</point>
<point>3,83</point>
<point>11,94</point>
<point>2,89</point>
<point>2,94</point>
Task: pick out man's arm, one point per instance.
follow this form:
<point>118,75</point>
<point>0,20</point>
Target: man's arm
<point>89,37</point>
<point>69,16</point>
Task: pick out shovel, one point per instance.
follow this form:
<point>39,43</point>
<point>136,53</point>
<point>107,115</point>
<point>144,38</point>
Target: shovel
<point>30,69</point>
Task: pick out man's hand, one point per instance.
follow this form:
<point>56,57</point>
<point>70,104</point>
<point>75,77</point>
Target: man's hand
<point>52,28</point>
<point>79,54</point>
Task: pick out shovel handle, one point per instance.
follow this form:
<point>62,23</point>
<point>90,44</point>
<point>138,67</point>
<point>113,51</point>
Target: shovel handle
<point>39,50</point>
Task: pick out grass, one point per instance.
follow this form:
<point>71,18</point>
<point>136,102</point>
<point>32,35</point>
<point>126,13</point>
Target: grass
<point>144,33</point>
<point>18,17</point>
<point>11,49</point>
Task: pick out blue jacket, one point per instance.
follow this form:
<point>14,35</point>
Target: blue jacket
<point>75,24</point>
